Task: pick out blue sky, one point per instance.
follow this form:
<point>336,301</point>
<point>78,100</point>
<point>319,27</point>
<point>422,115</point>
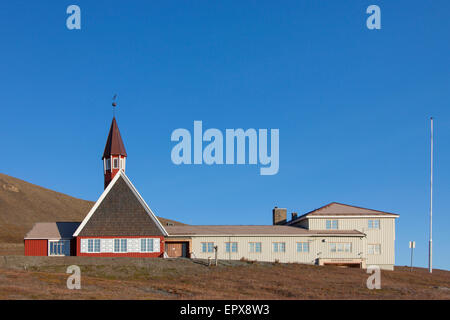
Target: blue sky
<point>352,105</point>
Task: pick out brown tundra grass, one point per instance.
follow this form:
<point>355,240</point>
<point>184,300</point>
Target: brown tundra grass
<point>103,278</point>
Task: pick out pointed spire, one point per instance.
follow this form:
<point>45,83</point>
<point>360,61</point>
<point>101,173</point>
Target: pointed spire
<point>114,144</point>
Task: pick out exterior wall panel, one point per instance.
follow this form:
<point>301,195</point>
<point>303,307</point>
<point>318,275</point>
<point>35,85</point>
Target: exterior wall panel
<point>317,248</point>
<point>111,173</point>
<point>36,247</point>
<point>302,224</point>
<point>121,254</point>
<point>385,236</point>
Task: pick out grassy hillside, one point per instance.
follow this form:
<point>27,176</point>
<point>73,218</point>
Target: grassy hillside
<point>22,204</point>
<point>134,278</point>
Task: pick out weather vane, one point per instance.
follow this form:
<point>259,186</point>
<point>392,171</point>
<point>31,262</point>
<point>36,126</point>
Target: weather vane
<point>114,104</point>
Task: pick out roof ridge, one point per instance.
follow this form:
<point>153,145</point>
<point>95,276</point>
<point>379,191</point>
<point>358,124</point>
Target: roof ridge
<point>342,204</point>
<point>358,207</point>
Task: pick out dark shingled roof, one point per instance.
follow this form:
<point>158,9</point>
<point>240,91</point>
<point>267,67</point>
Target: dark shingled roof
<point>120,214</point>
<point>114,144</point>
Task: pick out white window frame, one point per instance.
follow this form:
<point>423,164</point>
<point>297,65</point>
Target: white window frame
<point>108,164</point>
<point>145,245</point>
<point>373,224</point>
<point>207,247</point>
<point>340,247</point>
<point>114,163</point>
<point>93,247</point>
<point>62,245</point>
<point>372,248</point>
<point>279,247</point>
<point>253,247</point>
<point>97,245</point>
<point>302,245</point>
<point>333,224</point>
<point>116,247</point>
<point>123,248</point>
<point>90,245</point>
<point>231,247</point>
<point>348,246</point>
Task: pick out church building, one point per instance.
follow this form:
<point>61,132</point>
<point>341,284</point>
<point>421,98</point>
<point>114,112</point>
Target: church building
<point>121,224</point>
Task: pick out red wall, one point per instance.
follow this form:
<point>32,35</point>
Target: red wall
<point>109,174</point>
<point>36,247</point>
<point>128,254</point>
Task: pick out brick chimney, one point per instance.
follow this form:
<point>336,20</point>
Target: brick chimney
<point>279,216</point>
<point>293,215</point>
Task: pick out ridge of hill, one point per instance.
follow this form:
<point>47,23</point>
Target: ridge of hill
<point>22,204</point>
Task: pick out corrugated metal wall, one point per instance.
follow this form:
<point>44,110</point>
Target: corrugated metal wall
<point>385,236</point>
<point>318,248</point>
<point>36,247</point>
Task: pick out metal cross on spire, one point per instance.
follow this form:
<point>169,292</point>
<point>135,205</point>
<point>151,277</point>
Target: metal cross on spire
<point>114,105</point>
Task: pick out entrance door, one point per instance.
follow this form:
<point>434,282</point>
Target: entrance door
<point>176,249</point>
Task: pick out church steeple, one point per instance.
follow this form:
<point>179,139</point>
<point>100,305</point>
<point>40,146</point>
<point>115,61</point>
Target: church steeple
<point>114,156</point>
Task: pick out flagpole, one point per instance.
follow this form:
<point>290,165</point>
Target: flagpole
<point>430,258</point>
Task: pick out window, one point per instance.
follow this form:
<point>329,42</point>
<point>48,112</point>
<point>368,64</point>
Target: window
<point>302,247</point>
<point>374,224</point>
<point>341,247</point>
<point>207,246</point>
<point>59,248</point>
<point>90,245</point>
<point>108,164</point>
<point>120,245</point>
<point>374,249</point>
<point>96,245</point>
<point>332,224</point>
<point>279,247</point>
<point>123,245</point>
<point>146,245</point>
<point>255,246</point>
<point>116,163</point>
<point>93,245</point>
<point>116,245</point>
<point>231,247</point>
